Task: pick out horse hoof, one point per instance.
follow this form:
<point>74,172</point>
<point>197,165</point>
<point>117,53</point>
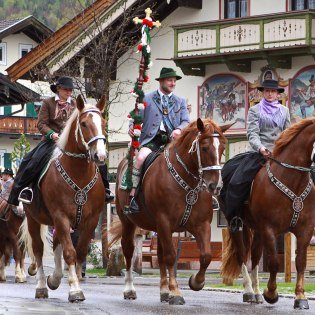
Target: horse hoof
<point>194,285</point>
<point>31,271</point>
<point>164,297</point>
<point>20,280</point>
<point>41,293</point>
<point>130,295</point>
<point>76,296</point>
<point>249,298</point>
<point>176,300</point>
<point>301,304</point>
<point>259,298</point>
<point>269,299</point>
<point>50,285</point>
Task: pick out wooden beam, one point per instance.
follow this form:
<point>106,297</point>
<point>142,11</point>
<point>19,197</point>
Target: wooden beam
<point>239,65</point>
<point>287,257</point>
<point>280,61</point>
<point>192,69</point>
<point>195,4</point>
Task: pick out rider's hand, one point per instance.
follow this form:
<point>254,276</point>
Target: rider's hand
<point>55,136</point>
<point>264,152</point>
<point>130,132</point>
<point>176,133</point>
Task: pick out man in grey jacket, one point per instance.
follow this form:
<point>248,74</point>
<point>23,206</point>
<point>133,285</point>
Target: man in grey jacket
<point>164,117</point>
<point>265,122</point>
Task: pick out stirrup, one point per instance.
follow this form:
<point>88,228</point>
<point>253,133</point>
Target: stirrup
<point>236,224</point>
<point>215,203</point>
<point>26,195</point>
<point>109,196</point>
<point>132,208</point>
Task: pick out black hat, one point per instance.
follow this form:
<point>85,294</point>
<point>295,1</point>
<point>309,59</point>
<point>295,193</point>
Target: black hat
<point>270,84</point>
<point>168,73</point>
<point>8,171</point>
<point>65,82</point>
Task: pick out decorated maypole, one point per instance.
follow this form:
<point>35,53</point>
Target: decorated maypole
<point>135,116</point>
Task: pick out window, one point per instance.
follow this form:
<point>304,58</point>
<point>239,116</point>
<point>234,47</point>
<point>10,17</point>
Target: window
<point>24,49</point>
<point>303,4</point>
<point>235,8</point>
<point>3,54</point>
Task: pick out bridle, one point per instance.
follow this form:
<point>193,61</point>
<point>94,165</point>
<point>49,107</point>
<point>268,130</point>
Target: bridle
<point>79,133</point>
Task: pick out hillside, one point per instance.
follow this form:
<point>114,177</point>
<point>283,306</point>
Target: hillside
<point>53,13</point>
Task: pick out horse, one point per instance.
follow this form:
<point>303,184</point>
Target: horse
<point>282,200</point>
<point>176,196</point>
<point>10,223</point>
<point>70,195</point>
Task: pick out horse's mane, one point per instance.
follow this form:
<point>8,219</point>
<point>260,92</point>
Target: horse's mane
<point>289,134</point>
<point>192,129</point>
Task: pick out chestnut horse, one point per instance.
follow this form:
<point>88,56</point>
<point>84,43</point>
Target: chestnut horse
<point>71,195</point>
<point>282,200</point>
<point>10,223</point>
<point>176,196</point>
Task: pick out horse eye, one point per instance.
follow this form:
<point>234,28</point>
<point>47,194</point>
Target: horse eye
<point>83,124</point>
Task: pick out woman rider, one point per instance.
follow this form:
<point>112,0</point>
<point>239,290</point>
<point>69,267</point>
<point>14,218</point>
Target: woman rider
<point>265,122</point>
<point>52,117</point>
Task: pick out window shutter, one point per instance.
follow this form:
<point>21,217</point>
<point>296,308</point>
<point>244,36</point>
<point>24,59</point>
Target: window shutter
<point>7,160</point>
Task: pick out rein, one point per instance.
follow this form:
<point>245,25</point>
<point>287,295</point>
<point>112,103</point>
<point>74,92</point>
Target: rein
<point>297,201</point>
<point>294,167</point>
<point>192,193</point>
<point>78,132</point>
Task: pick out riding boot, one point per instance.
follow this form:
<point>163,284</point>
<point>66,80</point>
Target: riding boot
<point>133,206</point>
<point>109,196</point>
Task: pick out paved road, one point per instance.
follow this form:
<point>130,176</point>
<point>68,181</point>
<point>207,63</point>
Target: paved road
<point>104,296</point>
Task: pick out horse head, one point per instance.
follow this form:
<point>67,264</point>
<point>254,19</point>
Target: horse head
<point>89,131</point>
<point>206,144</point>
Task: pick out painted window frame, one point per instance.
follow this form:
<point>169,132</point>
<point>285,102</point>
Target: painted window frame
<point>306,5</point>
<point>3,61</point>
<point>27,47</point>
<point>237,9</point>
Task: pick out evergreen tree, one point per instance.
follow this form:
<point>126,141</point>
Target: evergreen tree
<point>21,147</point>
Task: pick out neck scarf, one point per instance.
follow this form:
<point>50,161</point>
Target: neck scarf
<point>63,109</point>
<point>271,114</point>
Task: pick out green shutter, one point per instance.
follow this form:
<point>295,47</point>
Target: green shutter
<point>7,160</point>
<point>7,110</point>
<point>30,110</point>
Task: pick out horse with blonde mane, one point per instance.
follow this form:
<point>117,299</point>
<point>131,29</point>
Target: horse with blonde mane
<point>176,196</point>
<point>282,200</point>
<point>70,195</point>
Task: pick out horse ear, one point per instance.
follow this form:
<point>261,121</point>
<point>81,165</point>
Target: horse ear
<point>101,103</point>
<point>200,125</point>
<point>226,127</point>
<point>80,102</point>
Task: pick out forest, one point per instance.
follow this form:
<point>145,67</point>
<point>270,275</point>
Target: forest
<point>53,13</point>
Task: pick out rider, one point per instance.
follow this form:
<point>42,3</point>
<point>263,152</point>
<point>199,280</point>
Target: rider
<point>52,117</point>
<point>265,122</point>
<point>7,182</point>
<point>165,116</point>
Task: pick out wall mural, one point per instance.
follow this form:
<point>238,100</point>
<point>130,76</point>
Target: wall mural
<point>303,95</point>
<point>223,98</point>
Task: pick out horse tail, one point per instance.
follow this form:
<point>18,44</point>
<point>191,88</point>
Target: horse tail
<point>26,239</point>
<point>115,233</point>
<point>235,253</point>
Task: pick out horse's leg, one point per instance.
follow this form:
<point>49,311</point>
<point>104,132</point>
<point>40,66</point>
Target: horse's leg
<point>34,229</point>
<point>17,254</point>
<point>127,243</point>
<point>32,269</point>
<point>256,252</point>
<point>270,243</point>
<point>69,255</point>
<point>164,286</point>
<point>202,235</point>
<point>165,238</point>
<point>2,269</point>
<point>53,281</point>
<point>300,262</point>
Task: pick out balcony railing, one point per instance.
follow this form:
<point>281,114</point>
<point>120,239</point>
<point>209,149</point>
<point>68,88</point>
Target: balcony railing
<point>19,125</point>
<point>267,32</point>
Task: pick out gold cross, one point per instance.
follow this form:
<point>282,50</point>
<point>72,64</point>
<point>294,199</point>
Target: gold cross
<point>148,13</point>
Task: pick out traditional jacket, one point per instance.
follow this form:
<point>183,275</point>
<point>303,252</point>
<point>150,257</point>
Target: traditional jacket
<point>263,136</point>
<point>177,113</point>
<point>47,123</point>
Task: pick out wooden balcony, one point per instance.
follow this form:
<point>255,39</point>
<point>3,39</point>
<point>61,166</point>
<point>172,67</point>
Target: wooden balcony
<point>18,125</point>
<point>237,42</point>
